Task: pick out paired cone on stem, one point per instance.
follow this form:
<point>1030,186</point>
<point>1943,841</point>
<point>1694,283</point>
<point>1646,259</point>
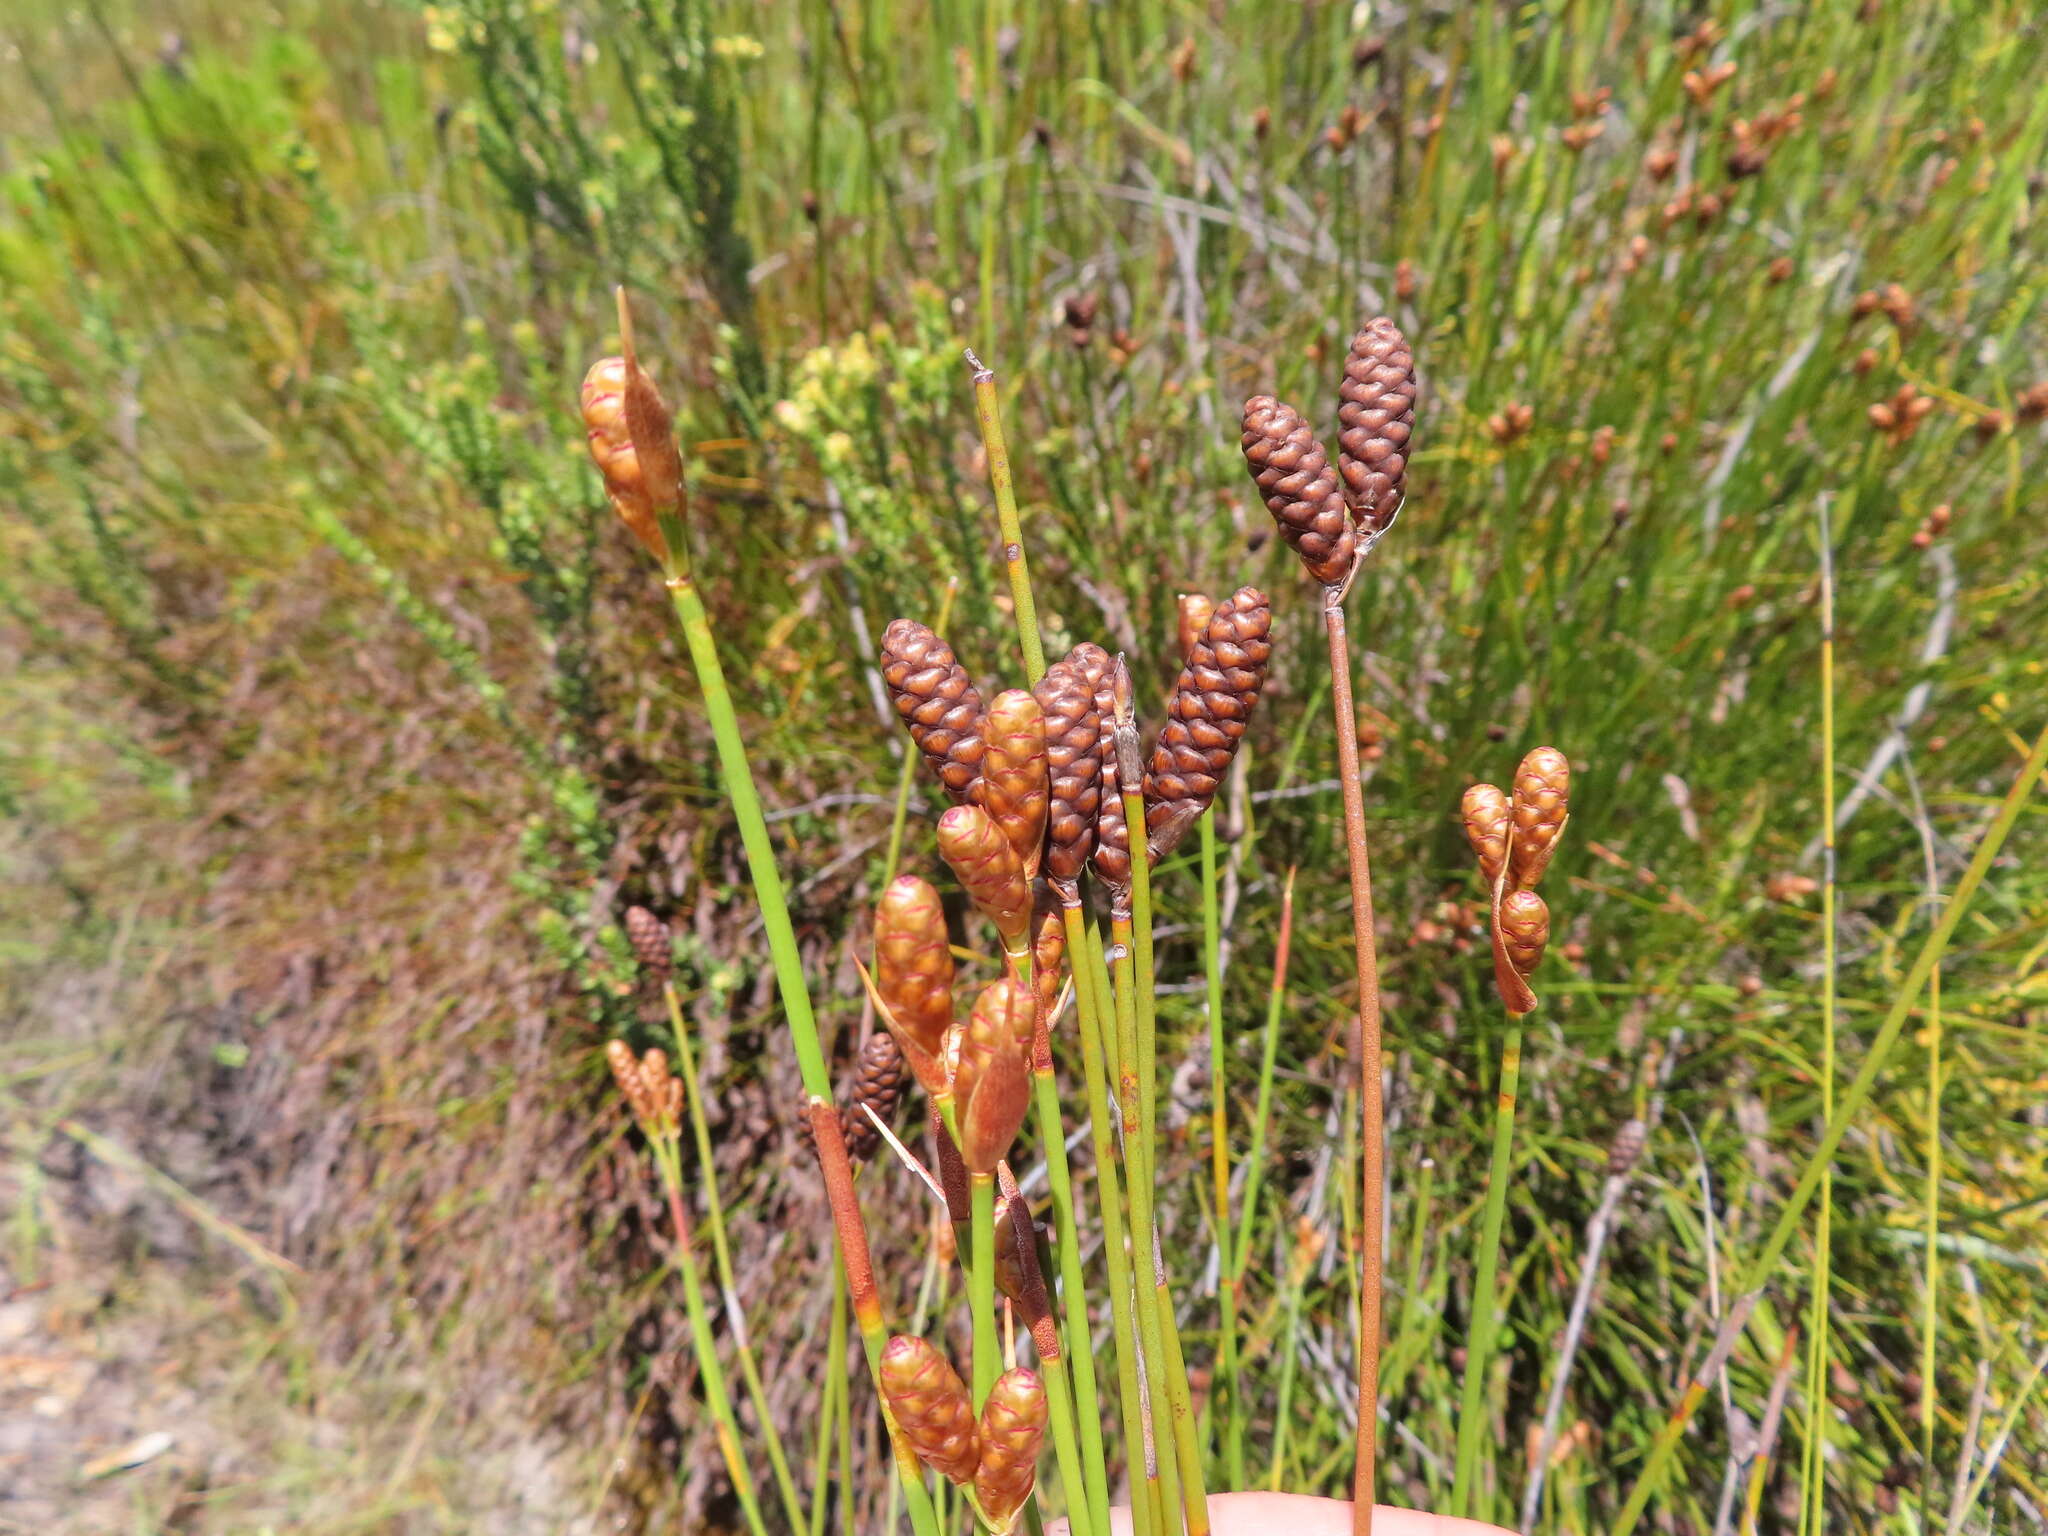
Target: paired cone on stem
<point>1513,838</point>
<point>1206,719</point>
<point>631,435</point>
<point>651,1091</point>
<point>1013,788</point>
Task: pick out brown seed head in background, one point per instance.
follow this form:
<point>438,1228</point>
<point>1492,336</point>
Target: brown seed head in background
<point>1486,828</point>
<point>1376,422</point>
<point>1206,718</point>
<point>936,699</point>
<point>914,969</point>
<point>649,937</point>
<point>1626,1147</point>
<point>1542,801</point>
<point>1195,611</point>
<point>880,1075</point>
<point>992,1081</point>
<point>1294,477</point>
<point>931,1407</point>
<point>981,858</point>
<point>1074,743</point>
<point>1014,788</point>
<point>1012,1433</point>
<point>1524,929</point>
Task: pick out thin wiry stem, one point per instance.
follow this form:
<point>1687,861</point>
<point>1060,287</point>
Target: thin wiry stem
<point>721,1252</point>
<point>1818,1316</point>
<point>1847,1107</point>
<point>1372,1137</point>
<point>1472,1415</point>
<point>1219,1120</point>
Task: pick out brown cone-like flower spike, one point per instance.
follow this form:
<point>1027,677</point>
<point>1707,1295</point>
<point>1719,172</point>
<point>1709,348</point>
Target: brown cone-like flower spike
<point>1207,716</point>
<point>1195,612</point>
<point>648,935</point>
<point>1012,1433</point>
<point>932,693</point>
<point>1542,801</point>
<point>1486,828</point>
<point>1014,787</point>
<point>992,1082</point>
<point>1112,859</point>
<point>914,971</point>
<point>611,449</point>
<point>1376,419</point>
<point>983,861</point>
<point>879,1077</point>
<point>650,423</point>
<point>931,1407</point>
<point>1300,489</point>
<point>626,1073</point>
<point>1073,757</point>
<point>1524,929</point>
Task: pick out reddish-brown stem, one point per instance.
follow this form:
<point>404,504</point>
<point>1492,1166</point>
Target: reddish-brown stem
<point>1365,961</point>
<point>846,1219</point>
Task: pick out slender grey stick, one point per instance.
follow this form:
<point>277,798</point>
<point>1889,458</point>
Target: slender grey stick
<point>1956,1504</point>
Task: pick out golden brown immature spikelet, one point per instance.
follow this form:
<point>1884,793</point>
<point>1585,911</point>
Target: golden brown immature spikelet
<point>1524,929</point>
<point>1048,954</point>
<point>1542,796</point>
<point>651,1093</point>
<point>648,935</point>
<point>933,694</point>
<point>1073,757</point>
<point>1486,828</point>
<point>1376,419</point>
<point>1206,718</point>
<point>1112,862</point>
<point>931,1407</point>
<point>1012,1433</point>
<point>992,1080</point>
<point>880,1075</point>
<point>626,1073</point>
<point>914,972</point>
<point>1014,787</point>
<point>1195,611</point>
<point>1293,474</point>
<point>983,861</point>
<point>611,449</point>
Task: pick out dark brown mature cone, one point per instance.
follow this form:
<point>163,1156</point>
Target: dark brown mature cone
<point>931,1407</point>
<point>936,699</point>
<point>880,1075</point>
<point>1112,861</point>
<point>648,935</point>
<point>1012,1433</point>
<point>1211,705</point>
<point>1376,419</point>
<point>1293,474</point>
<point>1542,801</point>
<point>1074,745</point>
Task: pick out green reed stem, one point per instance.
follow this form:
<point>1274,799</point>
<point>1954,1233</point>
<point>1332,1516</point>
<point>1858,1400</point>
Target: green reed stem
<point>1170,1381</point>
<point>1819,1313</point>
<point>1152,1339</point>
<point>981,1284</point>
<point>721,1252</point>
<point>1931,1229</point>
<point>746,806</point>
<point>1847,1107</point>
<point>835,1412</point>
<point>1084,943</point>
<point>988,412</point>
<point>1219,1117</point>
<point>1255,1172</point>
<point>725,1425</point>
<point>1066,1447</point>
<point>1073,1294</point>
<point>1485,1323</point>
